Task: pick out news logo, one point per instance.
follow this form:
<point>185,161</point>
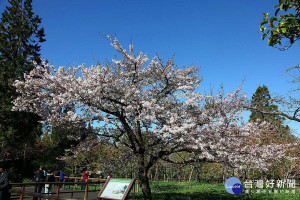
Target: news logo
<point>233,186</point>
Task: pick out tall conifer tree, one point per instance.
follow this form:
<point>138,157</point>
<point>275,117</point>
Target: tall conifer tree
<point>20,44</point>
<point>262,101</point>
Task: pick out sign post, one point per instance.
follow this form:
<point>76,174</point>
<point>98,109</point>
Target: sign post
<point>116,189</point>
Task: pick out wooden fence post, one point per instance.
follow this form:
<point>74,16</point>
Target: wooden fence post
<point>36,185</point>
<point>57,190</point>
<point>22,189</point>
<point>133,188</point>
<point>86,190</point>
<point>75,185</point>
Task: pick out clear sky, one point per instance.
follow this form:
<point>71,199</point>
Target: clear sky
<point>220,36</point>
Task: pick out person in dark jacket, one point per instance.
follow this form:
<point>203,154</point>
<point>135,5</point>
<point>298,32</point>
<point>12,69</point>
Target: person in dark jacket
<point>39,177</point>
<point>50,178</point>
<point>4,182</point>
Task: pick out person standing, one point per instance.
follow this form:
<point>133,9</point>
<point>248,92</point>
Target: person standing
<point>44,175</point>
<point>85,178</point>
<point>50,178</point>
<point>39,177</point>
<point>4,182</point>
<point>61,176</point>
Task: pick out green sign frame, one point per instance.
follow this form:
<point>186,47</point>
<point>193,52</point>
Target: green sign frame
<point>116,189</point>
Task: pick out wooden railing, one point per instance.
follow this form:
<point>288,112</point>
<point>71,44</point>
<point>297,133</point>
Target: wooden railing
<point>74,181</point>
<point>135,187</point>
<point>35,196</point>
<point>77,180</point>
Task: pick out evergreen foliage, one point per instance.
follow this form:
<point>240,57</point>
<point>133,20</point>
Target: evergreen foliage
<point>264,112</point>
<point>20,44</point>
<point>261,99</point>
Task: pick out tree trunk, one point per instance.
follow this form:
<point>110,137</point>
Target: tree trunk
<point>143,178</point>
<point>24,162</point>
<point>190,177</point>
<point>156,173</point>
<point>223,173</point>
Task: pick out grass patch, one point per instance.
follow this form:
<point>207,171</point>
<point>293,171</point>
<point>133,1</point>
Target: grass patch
<point>181,190</point>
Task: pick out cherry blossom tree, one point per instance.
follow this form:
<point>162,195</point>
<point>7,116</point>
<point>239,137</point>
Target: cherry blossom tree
<point>151,107</point>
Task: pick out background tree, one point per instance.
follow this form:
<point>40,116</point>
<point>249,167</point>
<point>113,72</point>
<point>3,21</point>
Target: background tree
<point>275,131</point>
<point>282,30</point>
<point>261,100</point>
<point>20,40</point>
<point>264,109</point>
<point>54,142</point>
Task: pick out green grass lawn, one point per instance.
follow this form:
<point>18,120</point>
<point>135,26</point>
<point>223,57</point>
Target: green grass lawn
<point>184,191</point>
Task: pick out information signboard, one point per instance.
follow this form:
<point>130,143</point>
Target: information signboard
<point>116,189</point>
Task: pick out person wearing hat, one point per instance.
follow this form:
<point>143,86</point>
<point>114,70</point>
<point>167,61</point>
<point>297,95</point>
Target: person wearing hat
<point>4,180</point>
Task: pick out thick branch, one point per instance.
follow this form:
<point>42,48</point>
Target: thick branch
<point>294,117</point>
<point>132,137</point>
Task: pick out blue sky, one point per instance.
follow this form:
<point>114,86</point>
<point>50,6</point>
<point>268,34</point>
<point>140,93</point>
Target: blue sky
<point>220,36</point>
